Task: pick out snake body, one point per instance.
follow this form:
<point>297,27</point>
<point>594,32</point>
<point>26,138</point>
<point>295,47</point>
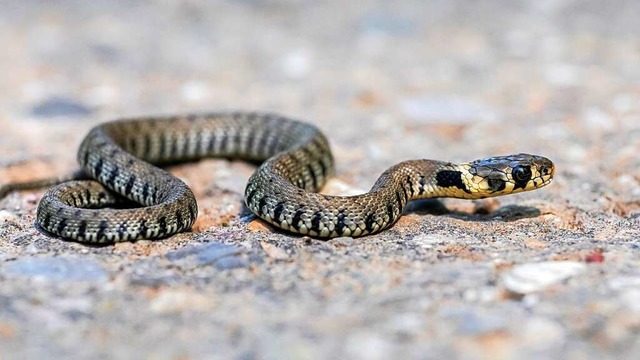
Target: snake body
<point>296,162</point>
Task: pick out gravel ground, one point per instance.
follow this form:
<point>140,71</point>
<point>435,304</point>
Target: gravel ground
<point>548,274</point>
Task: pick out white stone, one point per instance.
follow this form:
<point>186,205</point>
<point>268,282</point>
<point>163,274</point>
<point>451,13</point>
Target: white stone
<point>7,216</point>
<point>533,277</point>
<point>195,91</point>
<point>296,64</point>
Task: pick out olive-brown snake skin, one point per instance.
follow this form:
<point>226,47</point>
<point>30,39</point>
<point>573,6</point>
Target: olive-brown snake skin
<point>283,190</point>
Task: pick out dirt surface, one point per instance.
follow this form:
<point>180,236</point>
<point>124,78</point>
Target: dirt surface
<point>549,274</point>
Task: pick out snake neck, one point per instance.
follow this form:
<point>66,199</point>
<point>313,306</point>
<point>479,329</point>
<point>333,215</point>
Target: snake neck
<point>423,179</point>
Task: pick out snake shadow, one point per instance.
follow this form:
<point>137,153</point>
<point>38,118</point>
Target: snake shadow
<point>505,213</point>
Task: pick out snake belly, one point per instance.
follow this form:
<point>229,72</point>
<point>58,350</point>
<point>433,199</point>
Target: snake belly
<point>296,162</point>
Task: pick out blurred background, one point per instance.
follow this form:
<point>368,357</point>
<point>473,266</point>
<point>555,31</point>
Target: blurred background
<point>386,81</point>
<point>544,77</point>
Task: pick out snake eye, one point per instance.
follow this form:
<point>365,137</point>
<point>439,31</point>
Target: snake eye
<point>521,173</point>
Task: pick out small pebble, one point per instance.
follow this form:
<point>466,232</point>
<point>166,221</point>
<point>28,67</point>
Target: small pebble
<point>7,216</point>
<point>533,277</point>
<point>60,107</point>
<point>258,225</point>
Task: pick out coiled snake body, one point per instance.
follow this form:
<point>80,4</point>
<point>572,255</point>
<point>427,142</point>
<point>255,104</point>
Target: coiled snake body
<point>297,162</point>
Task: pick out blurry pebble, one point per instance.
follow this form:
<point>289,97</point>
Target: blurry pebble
<point>296,64</point>
<point>57,269</point>
<point>60,107</point>
<point>258,226</point>
<point>534,277</point>
<point>195,91</point>
<point>8,216</point>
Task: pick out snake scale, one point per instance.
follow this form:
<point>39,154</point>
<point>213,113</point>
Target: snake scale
<point>296,162</point>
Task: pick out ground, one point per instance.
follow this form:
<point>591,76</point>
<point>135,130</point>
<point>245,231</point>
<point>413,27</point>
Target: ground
<point>547,274</point>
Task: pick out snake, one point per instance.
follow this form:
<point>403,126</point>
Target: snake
<point>122,161</point>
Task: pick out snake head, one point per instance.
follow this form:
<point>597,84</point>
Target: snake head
<point>509,174</point>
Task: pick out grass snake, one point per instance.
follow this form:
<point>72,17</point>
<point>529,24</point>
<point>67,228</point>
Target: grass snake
<point>121,156</point>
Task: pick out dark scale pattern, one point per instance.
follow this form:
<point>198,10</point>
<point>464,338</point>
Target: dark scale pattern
<point>451,178</point>
<point>282,191</point>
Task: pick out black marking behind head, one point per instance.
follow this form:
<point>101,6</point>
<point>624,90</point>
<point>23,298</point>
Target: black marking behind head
<point>451,178</point>
<point>521,175</point>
